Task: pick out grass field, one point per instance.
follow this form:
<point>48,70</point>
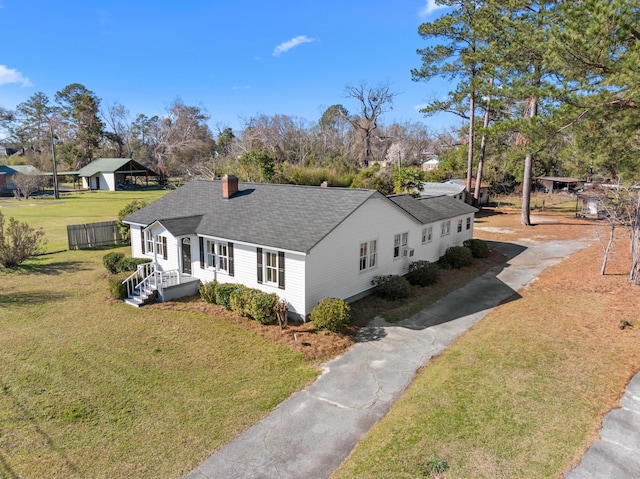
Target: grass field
<point>522,394</point>
<point>90,387</point>
<point>72,208</point>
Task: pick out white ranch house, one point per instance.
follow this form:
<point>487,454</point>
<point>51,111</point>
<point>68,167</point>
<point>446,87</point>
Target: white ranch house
<point>303,243</point>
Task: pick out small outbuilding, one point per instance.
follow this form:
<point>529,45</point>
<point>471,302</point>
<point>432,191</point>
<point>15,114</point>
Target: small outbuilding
<point>115,174</point>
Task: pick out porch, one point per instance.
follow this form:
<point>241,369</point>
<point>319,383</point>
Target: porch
<point>148,284</point>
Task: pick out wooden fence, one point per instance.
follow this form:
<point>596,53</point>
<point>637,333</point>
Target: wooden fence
<point>93,234</point>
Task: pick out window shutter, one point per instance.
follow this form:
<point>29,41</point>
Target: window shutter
<point>201,243</point>
<point>165,253</point>
<point>230,252</point>
<point>142,239</point>
<point>281,269</point>
<point>259,262</point>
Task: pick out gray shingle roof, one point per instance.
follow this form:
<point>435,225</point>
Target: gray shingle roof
<point>15,169</point>
<point>430,210</point>
<point>287,217</point>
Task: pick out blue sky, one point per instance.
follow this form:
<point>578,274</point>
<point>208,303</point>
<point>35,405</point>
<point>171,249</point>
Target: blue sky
<point>236,59</point>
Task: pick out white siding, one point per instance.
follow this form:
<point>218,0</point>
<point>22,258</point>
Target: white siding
<point>246,272</point>
<point>333,268</point>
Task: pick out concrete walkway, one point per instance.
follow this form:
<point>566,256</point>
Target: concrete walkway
<point>617,453</point>
<point>313,431</point>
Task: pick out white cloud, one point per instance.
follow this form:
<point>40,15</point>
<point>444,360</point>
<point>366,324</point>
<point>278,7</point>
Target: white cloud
<point>240,87</point>
<point>294,42</point>
<point>9,75</point>
<point>430,6</point>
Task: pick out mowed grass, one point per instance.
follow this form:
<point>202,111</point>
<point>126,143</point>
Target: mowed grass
<point>522,394</point>
<point>91,387</point>
<point>72,208</point>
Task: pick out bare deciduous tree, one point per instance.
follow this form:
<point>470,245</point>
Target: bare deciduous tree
<point>373,102</point>
<point>26,185</point>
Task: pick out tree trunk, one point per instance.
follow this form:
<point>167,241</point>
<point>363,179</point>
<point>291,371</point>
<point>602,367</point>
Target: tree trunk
<point>483,146</point>
<point>608,248</point>
<point>634,274</point>
<point>526,189</point>
<point>472,111</point>
<point>528,169</point>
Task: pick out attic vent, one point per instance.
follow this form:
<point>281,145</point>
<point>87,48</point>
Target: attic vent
<point>229,186</point>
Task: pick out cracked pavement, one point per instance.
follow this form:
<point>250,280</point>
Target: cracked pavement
<point>314,430</point>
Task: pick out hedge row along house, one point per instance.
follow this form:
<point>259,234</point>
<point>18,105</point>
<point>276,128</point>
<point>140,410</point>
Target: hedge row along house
<point>304,243</point>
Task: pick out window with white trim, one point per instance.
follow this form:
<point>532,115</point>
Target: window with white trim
<point>160,244</point>
<point>427,234</point>
<point>460,225</point>
<point>445,228</point>
<point>469,222</point>
<point>210,254</point>
<point>368,253</point>
<point>223,257</point>
<point>400,241</point>
<point>271,267</point>
<point>148,240</point>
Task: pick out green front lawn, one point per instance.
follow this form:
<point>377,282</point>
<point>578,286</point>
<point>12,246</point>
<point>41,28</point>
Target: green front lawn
<point>90,387</point>
<point>72,208</point>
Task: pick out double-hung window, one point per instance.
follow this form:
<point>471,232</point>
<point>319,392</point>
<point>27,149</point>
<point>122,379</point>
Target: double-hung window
<point>445,228</point>
<point>216,255</point>
<point>469,222</point>
<point>400,241</point>
<point>161,246</point>
<point>368,253</point>
<point>427,234</point>
<point>148,240</point>
<point>223,257</point>
<point>459,225</point>
<point>270,267</point>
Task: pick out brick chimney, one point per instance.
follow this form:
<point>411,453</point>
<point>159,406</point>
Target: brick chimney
<point>229,186</point>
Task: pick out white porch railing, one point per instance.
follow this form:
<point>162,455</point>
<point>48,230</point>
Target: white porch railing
<point>147,279</point>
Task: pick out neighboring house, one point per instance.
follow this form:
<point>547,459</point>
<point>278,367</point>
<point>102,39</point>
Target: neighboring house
<point>114,174</point>
<point>428,165</point>
<point>303,243</point>
<point>9,171</point>
<point>455,190</point>
<point>483,199</point>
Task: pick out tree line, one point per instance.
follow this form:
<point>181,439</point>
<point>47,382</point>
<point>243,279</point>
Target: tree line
<point>546,88</point>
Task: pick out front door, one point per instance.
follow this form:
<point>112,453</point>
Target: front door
<point>186,256</point>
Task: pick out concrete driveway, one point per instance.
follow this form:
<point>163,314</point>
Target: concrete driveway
<point>617,454</point>
<point>313,431</point>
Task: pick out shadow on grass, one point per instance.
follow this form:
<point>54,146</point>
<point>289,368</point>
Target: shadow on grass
<point>39,265</point>
<point>31,298</point>
<point>480,294</point>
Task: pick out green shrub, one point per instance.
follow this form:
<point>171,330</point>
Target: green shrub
<point>478,247</point>
<point>436,465</point>
<point>260,306</point>
<point>132,207</point>
<point>331,314</point>
<point>116,288</point>
<point>422,273</point>
<point>208,291</point>
<point>457,257</point>
<point>130,264</point>
<point>391,287</point>
<point>111,260</point>
<point>239,301</point>
<point>117,263</point>
<point>223,293</point>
